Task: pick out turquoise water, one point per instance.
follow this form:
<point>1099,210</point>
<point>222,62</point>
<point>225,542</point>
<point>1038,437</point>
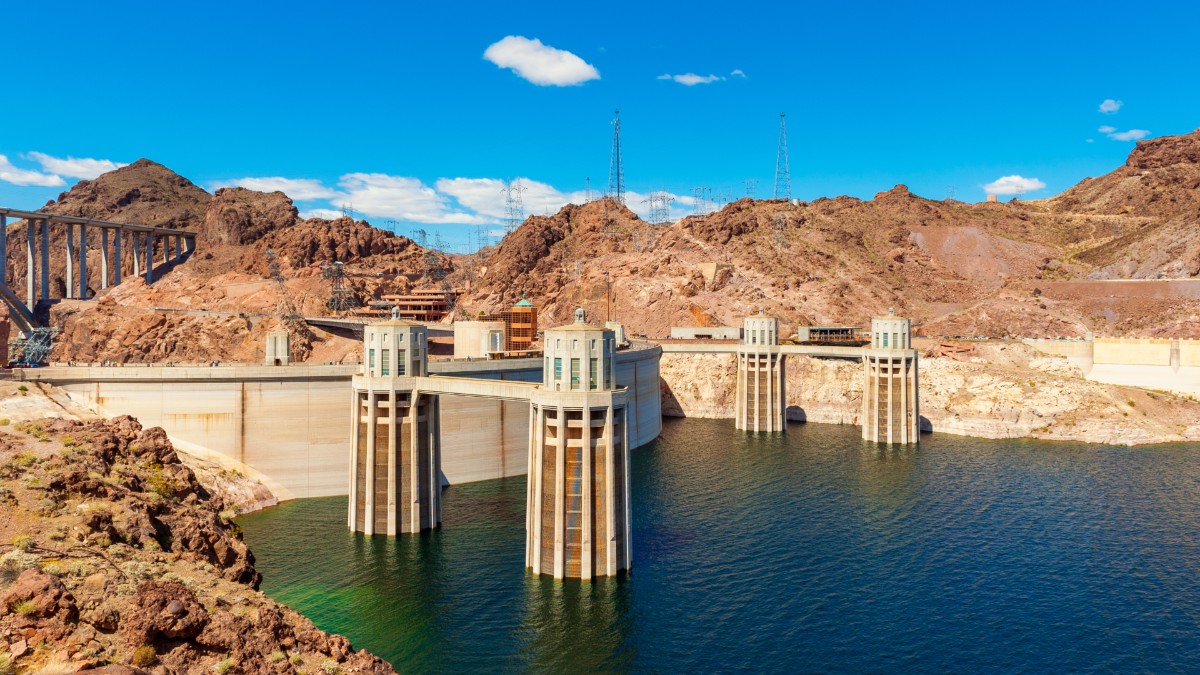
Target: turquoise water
<point>806,552</point>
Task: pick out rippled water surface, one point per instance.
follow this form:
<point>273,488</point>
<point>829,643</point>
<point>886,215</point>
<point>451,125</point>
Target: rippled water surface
<point>806,552</point>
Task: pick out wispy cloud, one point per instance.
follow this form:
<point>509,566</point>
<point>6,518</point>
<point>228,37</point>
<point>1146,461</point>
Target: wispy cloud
<point>1131,135</point>
<point>737,73</point>
<point>1011,185</point>
<point>539,63</point>
<point>1110,106</point>
<point>692,79</point>
<point>11,174</point>
<point>299,189</point>
<point>74,167</point>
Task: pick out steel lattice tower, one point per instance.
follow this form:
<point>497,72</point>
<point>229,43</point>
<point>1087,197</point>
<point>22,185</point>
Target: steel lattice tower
<point>616,170</point>
<point>514,205</point>
<point>783,177</point>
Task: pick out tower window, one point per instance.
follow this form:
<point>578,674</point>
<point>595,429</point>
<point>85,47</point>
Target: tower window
<point>592,373</point>
<point>385,363</point>
<point>574,373</point>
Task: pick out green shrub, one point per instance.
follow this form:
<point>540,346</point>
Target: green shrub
<point>329,667</point>
<point>295,660</point>
<point>144,656</point>
<point>6,665</point>
<point>4,421</point>
<point>277,656</point>
<point>22,388</point>
<point>223,666</point>
<point>25,607</point>
<point>22,542</point>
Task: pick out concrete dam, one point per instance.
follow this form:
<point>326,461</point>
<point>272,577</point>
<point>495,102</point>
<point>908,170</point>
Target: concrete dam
<point>289,424</point>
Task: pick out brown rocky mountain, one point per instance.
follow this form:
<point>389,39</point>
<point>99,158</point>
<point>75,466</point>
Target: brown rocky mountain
<point>959,269</point>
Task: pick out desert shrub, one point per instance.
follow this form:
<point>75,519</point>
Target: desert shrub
<point>277,656</point>
<point>22,542</point>
<point>329,667</point>
<point>144,656</point>
<point>25,607</point>
<point>223,666</point>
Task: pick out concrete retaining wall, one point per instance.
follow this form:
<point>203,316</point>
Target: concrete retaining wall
<point>1149,363</point>
<point>292,424</point>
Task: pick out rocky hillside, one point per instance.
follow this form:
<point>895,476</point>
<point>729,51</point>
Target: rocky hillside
<point>227,287</point>
<point>956,268</point>
<point>112,553</point>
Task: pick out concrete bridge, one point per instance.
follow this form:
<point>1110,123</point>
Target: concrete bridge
<point>38,225</point>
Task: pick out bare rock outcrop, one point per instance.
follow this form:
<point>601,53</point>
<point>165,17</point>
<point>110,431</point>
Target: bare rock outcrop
<point>241,216</point>
<point>121,562</point>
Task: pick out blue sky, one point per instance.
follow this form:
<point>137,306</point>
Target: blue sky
<point>394,109</point>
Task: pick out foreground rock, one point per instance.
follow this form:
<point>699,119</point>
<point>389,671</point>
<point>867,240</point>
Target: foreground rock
<point>112,554</point>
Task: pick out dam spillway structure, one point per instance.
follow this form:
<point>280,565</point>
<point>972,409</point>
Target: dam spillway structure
<point>395,463</point>
<point>761,392</point>
<point>578,520</point>
<point>891,401</point>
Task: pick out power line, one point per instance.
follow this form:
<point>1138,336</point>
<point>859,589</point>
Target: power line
<point>783,177</point>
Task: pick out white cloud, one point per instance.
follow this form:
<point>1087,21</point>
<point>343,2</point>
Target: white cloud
<point>540,64</point>
<point>692,79</point>
<point>299,189</point>
<point>487,196</point>
<point>1131,135</point>
<point>1090,140</point>
<point>327,214</point>
<point>1110,106</point>
<point>1106,129</point>
<point>1011,185</point>
<point>737,72</point>
<point>74,167</point>
<point>11,174</point>
<point>400,197</point>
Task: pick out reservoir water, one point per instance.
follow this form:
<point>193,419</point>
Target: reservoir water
<point>804,552</point>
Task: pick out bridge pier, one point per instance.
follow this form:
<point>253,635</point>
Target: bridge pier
<point>83,280</point>
<point>104,257</point>
<point>4,251</point>
<point>149,257</point>
<point>69,286</point>
<point>45,259</point>
<point>30,262</point>
<point>891,406</point>
<point>117,254</point>
<point>761,393</point>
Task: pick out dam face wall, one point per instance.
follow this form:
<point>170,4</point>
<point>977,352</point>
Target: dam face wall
<point>1151,363</point>
<point>292,424</point>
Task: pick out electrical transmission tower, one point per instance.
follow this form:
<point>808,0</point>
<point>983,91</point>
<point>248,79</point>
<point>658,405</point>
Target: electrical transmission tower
<point>751,184</point>
<point>392,224</point>
<point>421,237</point>
<point>701,194</point>
<point>616,170</point>
<point>783,177</point>
<point>515,207</point>
<point>284,306</point>
<point>340,297</point>
<point>950,192</point>
<point>660,207</point>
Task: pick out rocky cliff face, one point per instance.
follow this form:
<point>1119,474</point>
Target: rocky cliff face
<point>114,554</point>
<point>241,216</point>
